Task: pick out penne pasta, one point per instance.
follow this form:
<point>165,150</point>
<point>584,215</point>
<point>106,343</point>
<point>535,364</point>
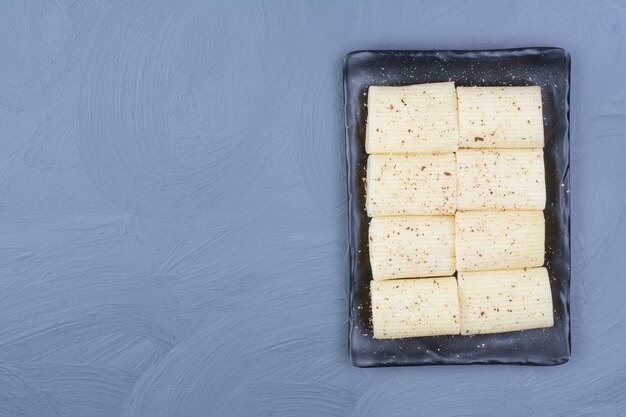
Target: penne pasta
<point>505,300</point>
<point>409,247</point>
<point>411,185</point>
<point>487,240</point>
<point>500,117</point>
<point>415,307</point>
<point>502,179</point>
<point>412,119</point>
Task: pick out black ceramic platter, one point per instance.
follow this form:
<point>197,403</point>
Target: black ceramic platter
<point>550,69</point>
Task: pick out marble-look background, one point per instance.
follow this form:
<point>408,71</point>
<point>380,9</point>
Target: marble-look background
<point>173,209</point>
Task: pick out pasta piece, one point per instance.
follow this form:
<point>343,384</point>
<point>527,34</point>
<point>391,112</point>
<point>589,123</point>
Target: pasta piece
<point>505,301</point>
<point>407,247</point>
<point>487,240</point>
<point>415,307</point>
<point>500,117</point>
<point>502,179</point>
<point>411,185</point>
<point>412,119</point>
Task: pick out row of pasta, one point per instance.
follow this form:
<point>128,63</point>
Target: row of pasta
<point>439,118</point>
<point>478,303</point>
<point>431,246</point>
<point>468,179</point>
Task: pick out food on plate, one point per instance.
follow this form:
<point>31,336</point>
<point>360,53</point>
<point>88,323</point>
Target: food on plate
<point>441,203</point>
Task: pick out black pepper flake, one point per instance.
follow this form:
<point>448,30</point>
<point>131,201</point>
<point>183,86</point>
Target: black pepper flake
<point>478,139</point>
<point>447,174</point>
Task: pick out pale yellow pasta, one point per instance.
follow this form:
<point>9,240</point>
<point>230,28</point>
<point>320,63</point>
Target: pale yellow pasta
<point>501,179</point>
<point>411,247</point>
<point>505,300</point>
<point>412,119</point>
<point>415,307</point>
<point>500,117</point>
<point>411,185</point>
<point>487,240</point>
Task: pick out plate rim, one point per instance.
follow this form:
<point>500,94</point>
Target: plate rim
<point>350,197</point>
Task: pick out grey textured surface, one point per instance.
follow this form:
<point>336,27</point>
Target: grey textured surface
<point>173,209</point>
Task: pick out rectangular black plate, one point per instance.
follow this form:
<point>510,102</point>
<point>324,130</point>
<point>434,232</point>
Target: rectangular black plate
<point>546,67</point>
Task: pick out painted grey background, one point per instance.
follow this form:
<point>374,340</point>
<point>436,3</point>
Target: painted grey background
<point>173,209</point>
